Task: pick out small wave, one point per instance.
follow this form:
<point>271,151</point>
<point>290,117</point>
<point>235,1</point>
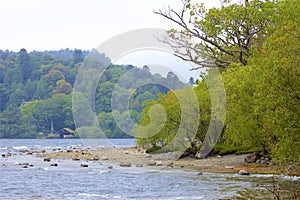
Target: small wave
<point>194,197</point>
<point>99,171</point>
<point>284,177</point>
<point>35,146</point>
<point>106,196</point>
<point>292,178</point>
<point>43,168</point>
<point>20,148</point>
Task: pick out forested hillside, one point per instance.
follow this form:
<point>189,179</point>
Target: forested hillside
<point>36,92</point>
<point>256,48</point>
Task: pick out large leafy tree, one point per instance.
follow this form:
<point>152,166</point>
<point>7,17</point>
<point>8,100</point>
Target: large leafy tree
<point>221,35</point>
<point>56,110</point>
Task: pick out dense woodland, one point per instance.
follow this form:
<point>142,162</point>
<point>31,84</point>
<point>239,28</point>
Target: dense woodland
<point>256,48</point>
<point>36,91</point>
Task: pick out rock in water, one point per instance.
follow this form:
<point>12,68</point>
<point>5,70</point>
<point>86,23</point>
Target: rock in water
<point>47,159</point>
<point>27,164</point>
<point>75,159</point>
<point>123,164</point>
<point>96,157</point>
<point>84,165</point>
<point>243,172</point>
<point>251,158</point>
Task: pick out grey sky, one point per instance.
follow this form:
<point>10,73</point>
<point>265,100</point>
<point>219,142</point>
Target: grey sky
<point>85,24</point>
<point>56,24</point>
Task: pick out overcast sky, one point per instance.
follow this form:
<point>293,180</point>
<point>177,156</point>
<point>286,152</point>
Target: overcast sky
<point>85,24</point>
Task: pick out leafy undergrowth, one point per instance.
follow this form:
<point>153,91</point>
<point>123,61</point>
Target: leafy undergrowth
<point>224,149</point>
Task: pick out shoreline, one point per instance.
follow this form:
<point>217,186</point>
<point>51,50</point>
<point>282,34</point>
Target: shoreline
<point>132,156</point>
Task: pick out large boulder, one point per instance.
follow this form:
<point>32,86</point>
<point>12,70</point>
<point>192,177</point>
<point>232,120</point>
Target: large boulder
<point>251,158</point>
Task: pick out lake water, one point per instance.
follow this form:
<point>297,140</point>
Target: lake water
<point>69,181</point>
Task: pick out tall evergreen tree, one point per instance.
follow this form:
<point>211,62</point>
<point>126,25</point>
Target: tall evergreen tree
<point>24,66</point>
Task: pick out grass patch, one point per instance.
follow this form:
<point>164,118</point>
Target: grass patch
<point>224,149</point>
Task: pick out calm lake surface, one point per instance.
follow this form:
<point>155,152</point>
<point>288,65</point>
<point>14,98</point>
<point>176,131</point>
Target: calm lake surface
<point>69,181</point>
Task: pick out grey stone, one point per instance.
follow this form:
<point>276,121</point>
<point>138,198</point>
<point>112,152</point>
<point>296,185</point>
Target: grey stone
<point>124,164</point>
<point>251,158</point>
<point>243,172</point>
<point>96,157</point>
<point>104,158</point>
<point>151,164</point>
<point>47,159</point>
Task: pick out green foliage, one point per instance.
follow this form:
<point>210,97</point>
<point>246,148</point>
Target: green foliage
<point>224,149</point>
<point>259,45</point>
<point>13,125</point>
<point>243,128</point>
<point>41,112</point>
<point>27,84</point>
<point>278,93</point>
<point>169,120</point>
<point>122,93</point>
